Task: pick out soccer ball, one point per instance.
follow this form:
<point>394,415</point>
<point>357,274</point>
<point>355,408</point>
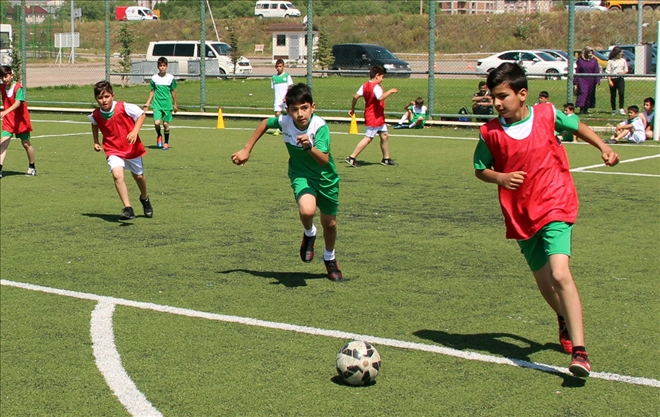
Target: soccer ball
<point>358,363</point>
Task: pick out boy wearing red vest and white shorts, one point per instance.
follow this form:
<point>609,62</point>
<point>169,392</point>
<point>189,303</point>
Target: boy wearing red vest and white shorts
<point>15,118</point>
<point>120,123</point>
<point>519,152</point>
<point>374,115</point>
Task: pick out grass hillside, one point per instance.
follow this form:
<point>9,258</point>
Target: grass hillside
<point>398,32</point>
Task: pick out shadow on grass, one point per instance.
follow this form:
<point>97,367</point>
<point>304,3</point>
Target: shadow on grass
<point>338,380</point>
<point>12,173</point>
<point>288,279</point>
<point>112,218</point>
<point>510,346</point>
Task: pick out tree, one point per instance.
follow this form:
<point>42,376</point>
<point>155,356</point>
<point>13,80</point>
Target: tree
<point>235,53</point>
<point>126,40</point>
<point>16,59</point>
<point>324,51</point>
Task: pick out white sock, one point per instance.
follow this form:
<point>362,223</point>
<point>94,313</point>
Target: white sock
<point>311,232</point>
<point>403,120</point>
<point>328,256</point>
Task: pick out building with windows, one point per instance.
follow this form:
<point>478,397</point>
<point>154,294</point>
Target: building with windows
<point>495,6</point>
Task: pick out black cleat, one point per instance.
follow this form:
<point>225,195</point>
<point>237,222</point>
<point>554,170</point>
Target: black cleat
<point>307,248</point>
<point>146,205</point>
<point>127,214</point>
<point>334,273</point>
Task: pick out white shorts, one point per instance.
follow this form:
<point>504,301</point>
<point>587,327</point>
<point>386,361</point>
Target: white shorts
<point>134,165</point>
<point>637,136</point>
<point>279,106</point>
<point>372,131</point>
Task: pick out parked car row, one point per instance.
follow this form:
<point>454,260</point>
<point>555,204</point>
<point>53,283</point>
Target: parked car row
<point>534,62</point>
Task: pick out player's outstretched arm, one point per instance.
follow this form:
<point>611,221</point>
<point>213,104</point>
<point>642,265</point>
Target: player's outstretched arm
<point>508,180</point>
<point>242,156</point>
<point>610,157</point>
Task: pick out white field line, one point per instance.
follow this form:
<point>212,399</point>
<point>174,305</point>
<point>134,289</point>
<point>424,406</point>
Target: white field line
<point>580,169</point>
<point>109,363</point>
<point>332,333</point>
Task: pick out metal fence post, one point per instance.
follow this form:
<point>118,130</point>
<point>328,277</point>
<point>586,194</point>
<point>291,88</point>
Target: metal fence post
<point>310,43</point>
<point>656,120</point>
<point>23,47</point>
<point>432,6</point>
<point>107,40</point>
<point>571,52</point>
<point>202,56</point>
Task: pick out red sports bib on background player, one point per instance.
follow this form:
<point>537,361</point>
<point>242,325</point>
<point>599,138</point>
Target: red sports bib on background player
<point>17,121</point>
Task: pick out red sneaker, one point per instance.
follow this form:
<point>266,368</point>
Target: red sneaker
<point>307,248</point>
<point>159,141</point>
<point>334,273</point>
<point>564,337</point>
<point>580,365</point>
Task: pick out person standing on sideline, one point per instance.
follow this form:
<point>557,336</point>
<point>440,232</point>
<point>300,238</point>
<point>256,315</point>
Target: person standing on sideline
<point>519,152</point>
<point>586,86</point>
<point>616,65</point>
<point>120,124</point>
<point>312,172</point>
<point>15,118</point>
<point>163,94</point>
<point>280,84</point>
<point>374,115</point>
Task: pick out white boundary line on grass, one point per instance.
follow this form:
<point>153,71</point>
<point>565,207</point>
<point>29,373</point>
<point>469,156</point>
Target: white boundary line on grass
<point>584,169</point>
<point>329,333</point>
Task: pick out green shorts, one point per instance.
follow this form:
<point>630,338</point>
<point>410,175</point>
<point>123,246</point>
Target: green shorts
<point>553,239</point>
<point>419,126</point>
<point>327,198</point>
<point>21,136</point>
<point>164,115</point>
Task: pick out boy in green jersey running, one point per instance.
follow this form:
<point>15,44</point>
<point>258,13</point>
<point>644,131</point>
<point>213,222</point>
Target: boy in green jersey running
<point>312,171</point>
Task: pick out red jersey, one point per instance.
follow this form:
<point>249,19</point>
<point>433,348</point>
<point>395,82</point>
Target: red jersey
<point>17,121</point>
<point>547,193</point>
<point>115,131</point>
<point>374,109</point>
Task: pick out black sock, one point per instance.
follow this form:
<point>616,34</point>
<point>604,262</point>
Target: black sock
<point>32,166</point>
<point>157,130</point>
<point>167,136</point>
<point>0,167</point>
<point>579,349</point>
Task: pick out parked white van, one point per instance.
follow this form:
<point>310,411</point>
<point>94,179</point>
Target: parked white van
<point>185,51</point>
<point>265,8</point>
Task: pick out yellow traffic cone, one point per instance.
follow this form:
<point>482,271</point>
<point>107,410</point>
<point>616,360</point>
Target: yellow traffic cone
<point>353,130</point>
<point>221,120</point>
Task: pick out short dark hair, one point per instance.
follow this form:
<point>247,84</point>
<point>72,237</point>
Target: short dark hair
<point>101,87</point>
<point>633,108</point>
<point>279,61</point>
<point>299,94</point>
<point>482,83</point>
<point>569,106</point>
<point>650,100</point>
<point>4,70</point>
<point>162,60</point>
<point>377,70</point>
<point>510,73</point>
<point>419,101</point>
<point>544,94</point>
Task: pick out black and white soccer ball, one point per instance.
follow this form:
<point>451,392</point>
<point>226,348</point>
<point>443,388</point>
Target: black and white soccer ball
<point>358,363</point>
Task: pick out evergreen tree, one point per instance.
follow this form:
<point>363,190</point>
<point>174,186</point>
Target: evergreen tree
<point>126,40</point>
<point>324,51</point>
<point>16,58</point>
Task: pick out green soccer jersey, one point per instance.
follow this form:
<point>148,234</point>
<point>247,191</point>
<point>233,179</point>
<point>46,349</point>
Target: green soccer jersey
<point>301,163</point>
<point>163,87</point>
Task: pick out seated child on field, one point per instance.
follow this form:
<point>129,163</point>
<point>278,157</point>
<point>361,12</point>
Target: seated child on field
<point>649,114</point>
<point>566,136</point>
<point>415,115</point>
<point>632,129</point>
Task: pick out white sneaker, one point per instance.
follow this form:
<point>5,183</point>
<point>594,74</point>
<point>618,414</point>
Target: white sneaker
<point>31,172</point>
<point>622,112</point>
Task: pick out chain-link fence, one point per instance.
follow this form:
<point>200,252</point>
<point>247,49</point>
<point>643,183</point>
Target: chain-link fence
<point>336,66</point>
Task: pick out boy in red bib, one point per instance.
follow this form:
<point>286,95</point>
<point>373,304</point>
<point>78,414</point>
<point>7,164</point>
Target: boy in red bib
<point>374,115</point>
<point>15,118</point>
<point>120,123</point>
<point>519,152</point>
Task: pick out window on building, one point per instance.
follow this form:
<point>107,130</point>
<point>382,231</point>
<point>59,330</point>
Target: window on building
<point>281,40</point>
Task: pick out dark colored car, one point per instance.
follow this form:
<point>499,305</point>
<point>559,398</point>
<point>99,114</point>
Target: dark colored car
<point>363,56</point>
